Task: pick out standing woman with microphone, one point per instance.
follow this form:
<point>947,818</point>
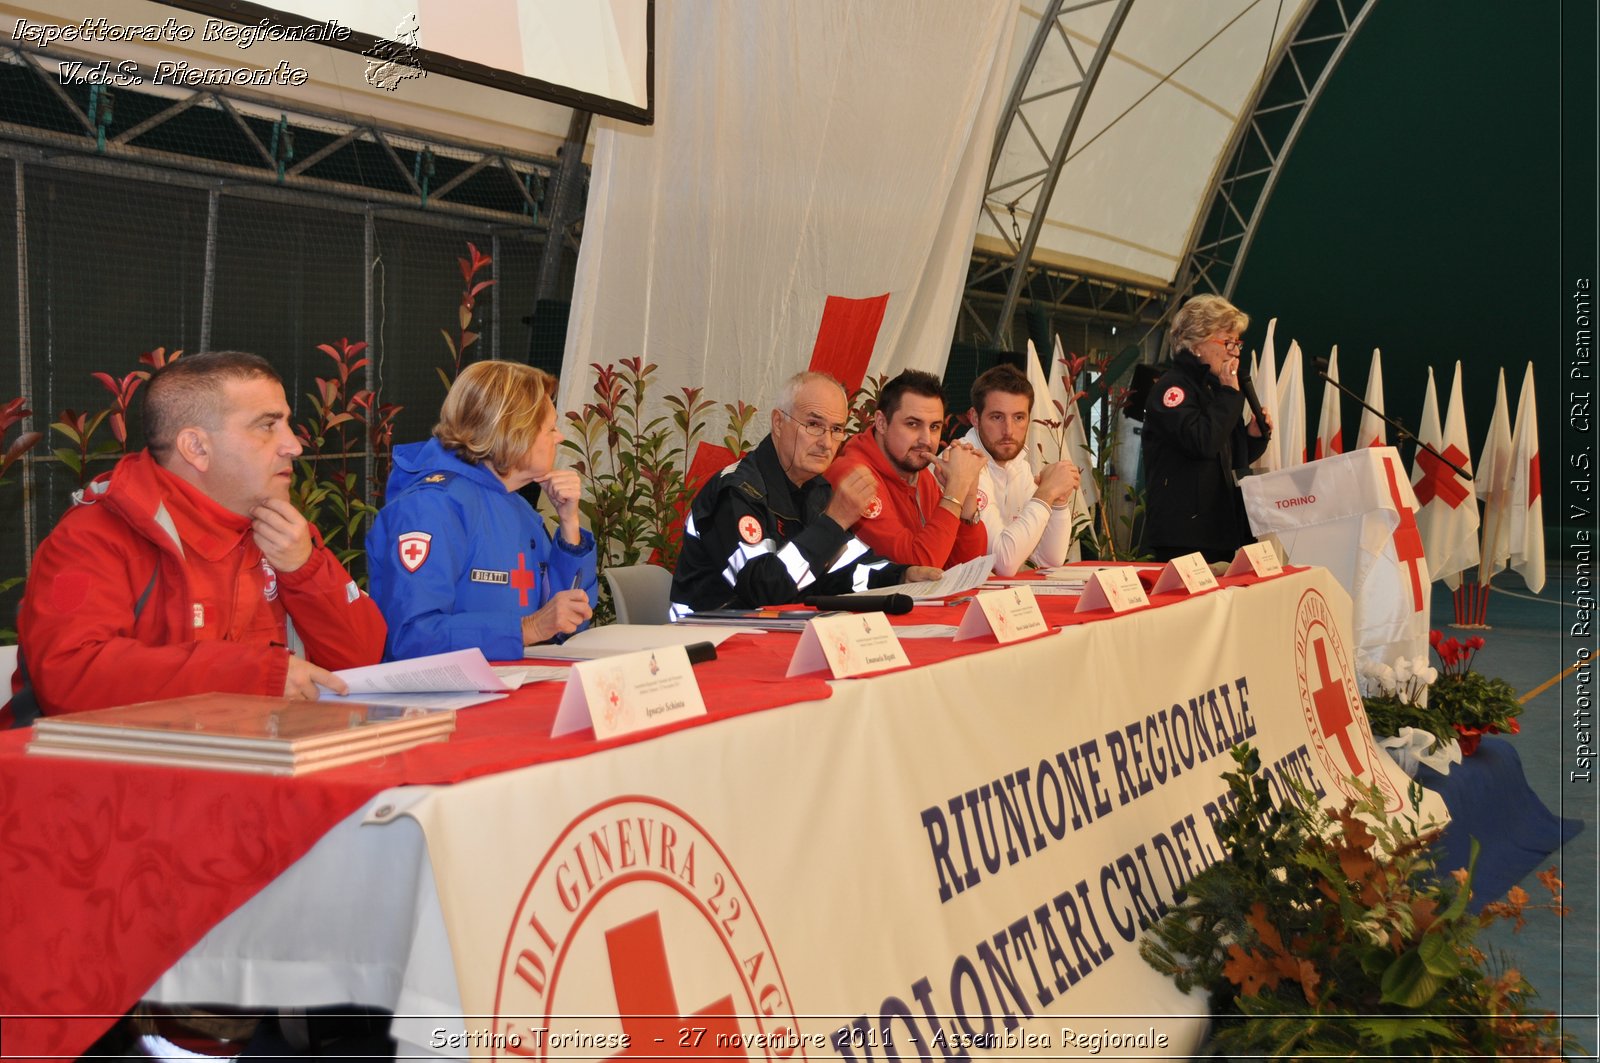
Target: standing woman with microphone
<point>1196,437</point>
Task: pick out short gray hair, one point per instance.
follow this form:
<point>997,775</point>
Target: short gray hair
<point>789,389</point>
<point>1202,316</point>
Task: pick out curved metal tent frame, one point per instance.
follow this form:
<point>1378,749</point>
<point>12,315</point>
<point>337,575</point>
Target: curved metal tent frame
<point>1240,191</point>
<point>1053,117</point>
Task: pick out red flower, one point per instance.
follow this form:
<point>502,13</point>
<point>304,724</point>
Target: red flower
<point>1434,638</point>
<point>1475,643</point>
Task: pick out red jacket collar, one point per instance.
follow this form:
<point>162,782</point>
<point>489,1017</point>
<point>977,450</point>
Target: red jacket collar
<point>139,489</point>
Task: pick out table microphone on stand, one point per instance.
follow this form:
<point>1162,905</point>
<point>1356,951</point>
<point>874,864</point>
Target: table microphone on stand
<point>892,604</point>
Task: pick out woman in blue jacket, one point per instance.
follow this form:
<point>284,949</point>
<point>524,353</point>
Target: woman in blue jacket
<point>457,558</point>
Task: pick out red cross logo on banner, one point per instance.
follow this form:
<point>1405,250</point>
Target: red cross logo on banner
<point>1407,539</point>
<point>1333,709</point>
<point>522,580</point>
<point>846,337</point>
<point>647,1003</point>
<point>1440,480</point>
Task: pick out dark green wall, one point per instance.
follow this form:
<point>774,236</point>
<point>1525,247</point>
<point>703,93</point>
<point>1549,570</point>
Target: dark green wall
<point>1440,205</point>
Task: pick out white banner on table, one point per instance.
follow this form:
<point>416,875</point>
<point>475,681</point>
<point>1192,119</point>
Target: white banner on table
<point>1355,515</point>
<point>965,850</point>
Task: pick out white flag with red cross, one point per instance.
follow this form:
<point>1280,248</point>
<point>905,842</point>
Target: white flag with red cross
<point>1373,432</point>
<point>1077,445</point>
<point>1266,381</point>
<point>1290,433</point>
<point>1527,503</point>
<point>1448,517</point>
<point>1330,429</point>
<point>1492,483</point>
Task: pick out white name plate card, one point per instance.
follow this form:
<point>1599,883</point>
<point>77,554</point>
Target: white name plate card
<point>629,692</point>
<point>1256,559</point>
<point>1191,572</point>
<point>1117,588</point>
<point>848,644</point>
<point>1009,614</point>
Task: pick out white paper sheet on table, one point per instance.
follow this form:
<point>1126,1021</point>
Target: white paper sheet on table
<point>518,675</point>
<point>964,577</point>
<point>458,671</point>
<point>1037,586</point>
<point>433,701</point>
<point>628,638</point>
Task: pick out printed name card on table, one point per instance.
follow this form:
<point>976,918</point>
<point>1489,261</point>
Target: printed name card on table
<point>1190,572</point>
<point>848,644</point>
<point>1010,613</point>
<point>1256,559</point>
<point>1116,588</point>
<point>629,692</point>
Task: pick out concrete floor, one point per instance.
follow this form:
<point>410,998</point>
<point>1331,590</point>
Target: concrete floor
<point>1529,645</point>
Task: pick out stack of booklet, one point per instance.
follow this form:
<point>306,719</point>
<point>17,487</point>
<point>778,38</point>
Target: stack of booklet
<point>241,732</point>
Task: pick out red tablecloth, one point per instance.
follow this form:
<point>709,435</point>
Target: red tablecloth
<point>110,872</point>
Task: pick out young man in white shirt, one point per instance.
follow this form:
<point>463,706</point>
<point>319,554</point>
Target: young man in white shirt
<point>1028,516</point>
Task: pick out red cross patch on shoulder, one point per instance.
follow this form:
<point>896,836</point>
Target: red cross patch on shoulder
<point>983,501</point>
<point>1172,398</point>
<point>413,547</point>
<point>874,508</point>
<point>749,529</point>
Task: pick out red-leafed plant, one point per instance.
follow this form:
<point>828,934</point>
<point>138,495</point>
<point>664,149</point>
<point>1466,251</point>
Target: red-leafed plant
<point>1474,703</point>
<point>471,266</point>
<point>80,428</point>
<point>11,414</point>
<point>635,466</point>
<point>328,491</point>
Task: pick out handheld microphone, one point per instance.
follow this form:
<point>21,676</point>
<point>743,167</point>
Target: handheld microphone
<point>892,604</point>
<point>1247,386</point>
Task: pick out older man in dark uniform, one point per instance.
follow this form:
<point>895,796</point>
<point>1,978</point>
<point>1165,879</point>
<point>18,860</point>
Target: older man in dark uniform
<point>769,529</point>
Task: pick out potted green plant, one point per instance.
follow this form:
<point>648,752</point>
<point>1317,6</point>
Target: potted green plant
<point>1328,934</point>
<point>1475,704</point>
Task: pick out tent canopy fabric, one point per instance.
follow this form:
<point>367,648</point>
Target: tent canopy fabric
<point>1178,80</point>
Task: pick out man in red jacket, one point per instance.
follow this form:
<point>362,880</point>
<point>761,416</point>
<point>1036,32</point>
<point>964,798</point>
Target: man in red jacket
<point>186,569</point>
<point>927,508</point>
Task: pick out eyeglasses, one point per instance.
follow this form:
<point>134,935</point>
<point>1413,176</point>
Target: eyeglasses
<point>1231,346</point>
<point>817,429</point>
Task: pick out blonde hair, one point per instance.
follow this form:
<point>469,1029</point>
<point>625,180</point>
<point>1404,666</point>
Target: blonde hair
<point>1201,317</point>
<point>494,412</point>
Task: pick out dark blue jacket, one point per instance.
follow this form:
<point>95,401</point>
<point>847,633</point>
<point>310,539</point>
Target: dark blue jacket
<point>1194,438</point>
<point>455,560</point>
